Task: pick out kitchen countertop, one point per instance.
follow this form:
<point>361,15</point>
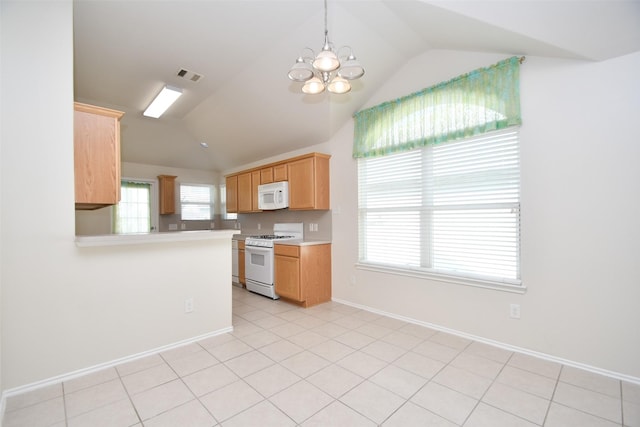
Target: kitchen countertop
<point>163,237</point>
<point>303,242</point>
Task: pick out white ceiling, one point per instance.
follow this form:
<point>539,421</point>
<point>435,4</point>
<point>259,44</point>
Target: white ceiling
<point>245,107</point>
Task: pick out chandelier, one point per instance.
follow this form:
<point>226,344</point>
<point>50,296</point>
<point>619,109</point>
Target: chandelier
<point>326,69</point>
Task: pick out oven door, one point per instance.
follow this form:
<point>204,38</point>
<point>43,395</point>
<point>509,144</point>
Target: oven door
<point>259,264</point>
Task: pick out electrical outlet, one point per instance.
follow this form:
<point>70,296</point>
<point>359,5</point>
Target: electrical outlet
<point>188,305</point>
<point>259,226</point>
<point>514,311</point>
<point>310,226</point>
<point>315,227</point>
<point>183,226</point>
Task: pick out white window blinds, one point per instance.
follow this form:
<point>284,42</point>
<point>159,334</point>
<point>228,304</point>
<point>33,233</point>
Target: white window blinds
<point>451,208</point>
<point>196,202</point>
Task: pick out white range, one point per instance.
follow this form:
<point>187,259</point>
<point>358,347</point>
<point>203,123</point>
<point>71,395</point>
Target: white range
<point>259,257</point>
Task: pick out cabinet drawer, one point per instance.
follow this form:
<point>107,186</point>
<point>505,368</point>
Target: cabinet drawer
<point>287,250</point>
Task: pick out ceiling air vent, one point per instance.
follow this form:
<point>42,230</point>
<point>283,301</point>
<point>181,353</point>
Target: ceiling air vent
<point>189,75</point>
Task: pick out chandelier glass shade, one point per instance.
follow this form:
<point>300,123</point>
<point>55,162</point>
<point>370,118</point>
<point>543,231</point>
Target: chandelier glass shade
<point>326,70</point>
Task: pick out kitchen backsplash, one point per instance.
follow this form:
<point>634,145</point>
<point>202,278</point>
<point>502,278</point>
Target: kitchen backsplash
<point>262,222</point>
<point>99,222</point>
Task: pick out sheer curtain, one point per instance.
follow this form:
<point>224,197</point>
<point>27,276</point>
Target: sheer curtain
<point>484,100</point>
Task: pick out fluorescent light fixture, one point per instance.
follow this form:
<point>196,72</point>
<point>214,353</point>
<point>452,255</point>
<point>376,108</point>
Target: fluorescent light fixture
<point>163,101</point>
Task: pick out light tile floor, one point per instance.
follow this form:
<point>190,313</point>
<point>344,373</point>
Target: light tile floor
<point>330,365</point>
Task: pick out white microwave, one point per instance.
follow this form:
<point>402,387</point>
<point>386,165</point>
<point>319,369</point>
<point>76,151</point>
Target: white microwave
<point>273,196</point>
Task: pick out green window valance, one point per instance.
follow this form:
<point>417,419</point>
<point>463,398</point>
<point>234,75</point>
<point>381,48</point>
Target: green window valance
<point>481,101</point>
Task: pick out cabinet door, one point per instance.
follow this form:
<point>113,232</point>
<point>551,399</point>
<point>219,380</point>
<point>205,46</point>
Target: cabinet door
<point>231,185</point>
<point>167,194</point>
<point>280,173</point>
<point>245,193</point>
<point>301,184</point>
<point>241,276</point>
<point>255,181</point>
<point>266,176</point>
<point>287,277</point>
<point>96,156</point>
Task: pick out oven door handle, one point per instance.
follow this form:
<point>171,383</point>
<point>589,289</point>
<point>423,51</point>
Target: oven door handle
<point>257,249</point>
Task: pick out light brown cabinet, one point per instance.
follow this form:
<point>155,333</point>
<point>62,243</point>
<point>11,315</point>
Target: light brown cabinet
<point>231,186</point>
<point>303,273</point>
<point>255,181</point>
<point>266,175</point>
<point>280,173</point>
<point>96,153</point>
<point>248,191</point>
<point>241,277</point>
<point>308,178</point>
<point>244,192</point>
<point>167,203</point>
<point>309,183</point>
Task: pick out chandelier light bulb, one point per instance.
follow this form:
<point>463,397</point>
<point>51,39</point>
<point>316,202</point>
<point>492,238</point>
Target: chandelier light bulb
<point>313,86</point>
<point>339,85</point>
<point>326,61</point>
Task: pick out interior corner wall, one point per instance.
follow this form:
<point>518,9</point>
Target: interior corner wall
<point>580,206</point>
<point>65,308</point>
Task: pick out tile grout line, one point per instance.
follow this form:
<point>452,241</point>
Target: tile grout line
<point>135,409</point>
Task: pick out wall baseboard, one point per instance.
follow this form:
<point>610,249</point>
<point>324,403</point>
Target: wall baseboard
<point>544,356</point>
<point>81,372</point>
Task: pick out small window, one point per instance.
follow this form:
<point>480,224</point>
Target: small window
<point>196,202</point>
<point>134,213</point>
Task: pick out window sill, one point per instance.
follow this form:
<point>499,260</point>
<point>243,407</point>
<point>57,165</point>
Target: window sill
<point>515,287</point>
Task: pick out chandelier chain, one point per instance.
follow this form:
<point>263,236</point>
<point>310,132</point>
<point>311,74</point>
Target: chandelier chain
<point>326,28</point>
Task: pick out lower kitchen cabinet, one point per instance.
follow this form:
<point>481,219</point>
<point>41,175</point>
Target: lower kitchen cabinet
<point>303,273</point>
<point>241,277</point>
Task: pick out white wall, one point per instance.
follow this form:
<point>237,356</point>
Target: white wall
<point>66,308</point>
<point>580,213</point>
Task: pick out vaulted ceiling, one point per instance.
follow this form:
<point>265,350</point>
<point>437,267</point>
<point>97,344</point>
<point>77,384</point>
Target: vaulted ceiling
<point>244,106</point>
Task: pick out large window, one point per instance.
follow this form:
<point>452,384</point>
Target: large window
<point>196,202</point>
<point>451,209</point>
<point>439,180</point>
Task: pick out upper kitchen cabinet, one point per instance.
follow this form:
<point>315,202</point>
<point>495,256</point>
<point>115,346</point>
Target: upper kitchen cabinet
<point>231,186</point>
<point>309,182</point>
<point>308,177</point>
<point>96,156</point>
<point>244,192</point>
<point>248,191</point>
<point>167,194</point>
<point>275,173</point>
<point>266,175</point>
<point>255,181</point>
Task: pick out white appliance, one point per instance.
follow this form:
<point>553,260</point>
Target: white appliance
<point>273,196</point>
<point>259,257</point>
<point>235,279</point>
